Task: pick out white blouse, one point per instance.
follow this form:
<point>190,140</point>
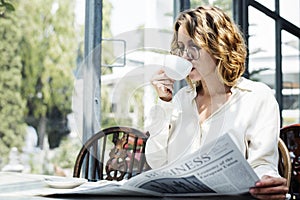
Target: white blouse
<point>250,116</point>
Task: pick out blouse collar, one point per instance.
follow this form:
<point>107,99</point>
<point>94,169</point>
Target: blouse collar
<point>240,86</point>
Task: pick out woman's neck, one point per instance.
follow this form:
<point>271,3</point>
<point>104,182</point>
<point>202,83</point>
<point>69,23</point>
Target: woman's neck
<point>212,88</point>
<point>209,99</point>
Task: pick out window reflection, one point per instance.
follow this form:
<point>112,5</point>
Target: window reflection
<point>261,48</point>
<point>290,79</point>
<point>270,4</point>
<point>289,10</point>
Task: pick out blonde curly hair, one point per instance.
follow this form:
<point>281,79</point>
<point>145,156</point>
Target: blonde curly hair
<point>213,30</point>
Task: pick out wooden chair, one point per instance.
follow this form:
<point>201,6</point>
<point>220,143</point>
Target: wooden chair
<point>114,153</point>
<point>291,136</point>
<point>284,164</point>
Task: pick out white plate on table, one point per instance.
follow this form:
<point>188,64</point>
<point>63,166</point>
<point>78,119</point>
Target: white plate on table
<point>64,182</point>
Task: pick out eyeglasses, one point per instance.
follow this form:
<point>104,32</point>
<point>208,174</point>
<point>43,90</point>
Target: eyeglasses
<point>191,52</point>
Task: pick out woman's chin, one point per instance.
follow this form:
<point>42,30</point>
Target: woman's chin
<point>194,78</point>
<point>194,75</point>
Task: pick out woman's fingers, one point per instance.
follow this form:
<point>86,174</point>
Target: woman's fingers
<point>163,85</point>
<point>166,88</point>
<point>270,188</point>
<point>269,181</point>
<point>161,77</point>
<point>281,189</point>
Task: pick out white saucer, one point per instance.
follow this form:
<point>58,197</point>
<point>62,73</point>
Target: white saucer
<point>64,182</point>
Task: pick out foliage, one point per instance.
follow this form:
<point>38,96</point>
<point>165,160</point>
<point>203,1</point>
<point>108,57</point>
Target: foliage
<point>5,6</point>
<point>196,3</point>
<point>49,63</point>
<point>38,53</point>
<point>48,54</point>
<point>12,105</point>
<point>107,118</point>
<point>107,46</point>
<point>66,154</point>
<point>39,49</point>
<point>226,5</point>
<point>106,12</point>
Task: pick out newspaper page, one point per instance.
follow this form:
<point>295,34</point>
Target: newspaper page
<point>218,168</point>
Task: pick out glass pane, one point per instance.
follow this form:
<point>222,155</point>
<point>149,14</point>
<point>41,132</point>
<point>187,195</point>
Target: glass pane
<point>145,27</point>
<point>39,48</point>
<point>261,47</point>
<point>226,5</point>
<point>290,80</point>
<point>270,4</point>
<point>289,10</point>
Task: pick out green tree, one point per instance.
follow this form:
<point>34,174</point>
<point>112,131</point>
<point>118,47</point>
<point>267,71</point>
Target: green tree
<point>12,105</point>
<point>48,53</point>
<point>39,47</point>
<point>226,5</point>
<point>196,3</point>
<point>37,55</point>
<point>5,6</point>
<point>107,46</point>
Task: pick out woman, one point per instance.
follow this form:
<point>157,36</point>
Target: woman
<point>217,100</point>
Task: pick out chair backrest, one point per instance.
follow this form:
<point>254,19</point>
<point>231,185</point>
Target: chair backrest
<point>284,164</point>
<point>291,136</point>
<point>114,153</point>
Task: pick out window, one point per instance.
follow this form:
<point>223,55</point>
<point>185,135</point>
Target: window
<point>272,32</point>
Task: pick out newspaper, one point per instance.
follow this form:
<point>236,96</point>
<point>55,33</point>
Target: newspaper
<point>216,169</point>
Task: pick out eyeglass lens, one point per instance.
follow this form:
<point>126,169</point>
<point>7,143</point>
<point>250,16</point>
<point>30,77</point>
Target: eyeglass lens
<point>191,52</point>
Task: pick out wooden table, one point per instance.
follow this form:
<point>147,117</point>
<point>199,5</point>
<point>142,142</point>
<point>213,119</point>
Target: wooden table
<point>18,186</point>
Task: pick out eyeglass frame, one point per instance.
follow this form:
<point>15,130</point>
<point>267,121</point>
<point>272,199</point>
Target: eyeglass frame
<point>187,50</point>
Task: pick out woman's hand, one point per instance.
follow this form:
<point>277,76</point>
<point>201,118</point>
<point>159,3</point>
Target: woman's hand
<point>163,85</point>
<point>270,188</point>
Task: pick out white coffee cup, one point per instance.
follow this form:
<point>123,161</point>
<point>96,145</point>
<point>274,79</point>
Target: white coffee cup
<point>176,67</point>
